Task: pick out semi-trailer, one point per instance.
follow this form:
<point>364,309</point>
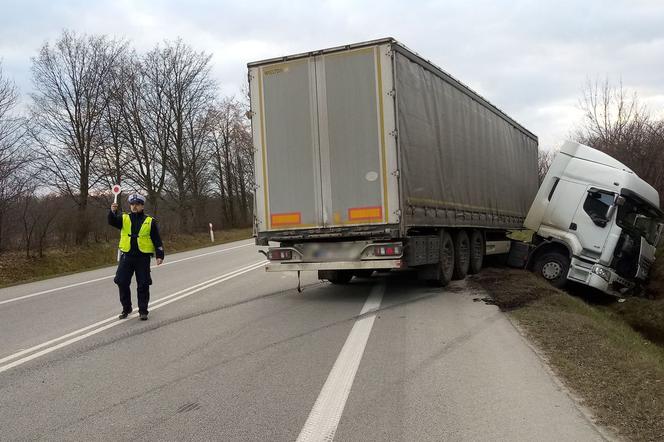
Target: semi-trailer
<point>368,156</point>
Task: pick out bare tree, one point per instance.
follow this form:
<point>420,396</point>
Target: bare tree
<point>146,123</point>
<point>14,155</point>
<point>544,160</point>
<point>112,157</point>
<point>71,97</point>
<point>613,118</point>
<point>222,141</point>
<point>244,160</point>
<point>48,214</point>
<point>199,174</point>
<point>29,219</point>
<point>232,161</point>
<point>189,91</point>
<point>616,122</point>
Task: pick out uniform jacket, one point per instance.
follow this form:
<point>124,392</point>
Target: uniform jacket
<point>115,219</point>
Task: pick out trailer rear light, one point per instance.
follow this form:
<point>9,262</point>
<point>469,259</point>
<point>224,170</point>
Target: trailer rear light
<point>387,250</point>
<point>280,255</point>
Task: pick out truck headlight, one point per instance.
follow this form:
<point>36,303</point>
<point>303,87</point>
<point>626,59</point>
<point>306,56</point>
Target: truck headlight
<point>602,273</point>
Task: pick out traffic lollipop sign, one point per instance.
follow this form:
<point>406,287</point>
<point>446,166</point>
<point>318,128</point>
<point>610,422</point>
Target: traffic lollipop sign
<point>116,192</point>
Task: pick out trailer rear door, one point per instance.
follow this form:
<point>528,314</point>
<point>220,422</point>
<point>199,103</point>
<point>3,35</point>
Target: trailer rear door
<point>352,137</point>
<point>285,133</point>
<point>324,131</point>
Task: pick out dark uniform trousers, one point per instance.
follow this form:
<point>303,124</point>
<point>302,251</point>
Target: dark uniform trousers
<point>130,264</point>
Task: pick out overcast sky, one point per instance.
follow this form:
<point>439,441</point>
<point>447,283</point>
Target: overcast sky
<point>529,58</point>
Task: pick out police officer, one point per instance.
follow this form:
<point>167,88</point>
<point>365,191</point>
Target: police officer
<point>139,240</point>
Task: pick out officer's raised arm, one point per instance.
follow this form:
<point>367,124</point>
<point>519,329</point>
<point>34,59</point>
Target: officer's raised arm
<point>115,216</point>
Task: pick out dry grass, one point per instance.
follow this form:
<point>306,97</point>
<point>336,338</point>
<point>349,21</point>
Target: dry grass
<point>15,268</point>
<point>647,315</point>
<point>618,372</point>
<point>655,288</point>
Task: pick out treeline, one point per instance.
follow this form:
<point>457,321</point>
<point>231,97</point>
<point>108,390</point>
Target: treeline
<point>616,122</point>
<point>102,113</point>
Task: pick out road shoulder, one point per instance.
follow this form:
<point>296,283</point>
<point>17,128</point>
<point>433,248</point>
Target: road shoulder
<point>440,366</point>
<point>609,368</point>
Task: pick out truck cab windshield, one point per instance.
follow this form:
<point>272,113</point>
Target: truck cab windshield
<point>639,218</point>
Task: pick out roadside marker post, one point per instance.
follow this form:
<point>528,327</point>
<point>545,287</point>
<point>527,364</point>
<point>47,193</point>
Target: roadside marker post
<point>116,191</point>
<point>211,233</point>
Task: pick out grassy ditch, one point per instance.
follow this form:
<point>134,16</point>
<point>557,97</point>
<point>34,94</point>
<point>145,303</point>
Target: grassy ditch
<point>16,268</point>
<point>646,315</point>
<point>603,352</point>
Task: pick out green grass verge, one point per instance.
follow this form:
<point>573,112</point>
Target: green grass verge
<point>16,268</point>
<point>594,349</point>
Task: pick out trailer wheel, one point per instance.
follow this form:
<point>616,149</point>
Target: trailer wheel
<point>461,255</point>
<point>553,267</point>
<point>477,251</point>
<point>446,263</point>
<point>340,276</point>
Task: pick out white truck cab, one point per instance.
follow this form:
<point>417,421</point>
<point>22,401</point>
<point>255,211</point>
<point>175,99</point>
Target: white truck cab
<point>595,222</point>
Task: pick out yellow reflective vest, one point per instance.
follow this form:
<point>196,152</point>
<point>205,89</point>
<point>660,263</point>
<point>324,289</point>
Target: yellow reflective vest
<point>145,244</point>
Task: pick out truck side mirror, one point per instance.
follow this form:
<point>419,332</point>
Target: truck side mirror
<point>618,200</point>
<point>600,206</point>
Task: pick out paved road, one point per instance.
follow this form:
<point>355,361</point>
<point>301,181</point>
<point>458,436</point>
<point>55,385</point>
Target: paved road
<point>233,353</point>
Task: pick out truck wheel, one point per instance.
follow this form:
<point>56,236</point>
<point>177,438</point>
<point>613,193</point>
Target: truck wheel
<point>461,254</point>
<point>477,246</point>
<point>446,264</point>
<point>553,267</point>
<point>340,276</point>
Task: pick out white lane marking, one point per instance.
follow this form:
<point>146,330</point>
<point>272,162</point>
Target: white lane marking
<point>325,415</point>
<point>203,254</point>
<point>153,306</point>
<point>6,301</point>
<point>44,292</point>
<point>113,318</point>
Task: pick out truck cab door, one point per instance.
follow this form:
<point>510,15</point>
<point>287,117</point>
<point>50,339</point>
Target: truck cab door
<point>590,223</point>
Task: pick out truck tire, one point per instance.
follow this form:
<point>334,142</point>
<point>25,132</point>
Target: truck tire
<point>446,263</point>
<point>477,251</point>
<point>340,276</point>
<point>553,267</point>
<point>461,254</point>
